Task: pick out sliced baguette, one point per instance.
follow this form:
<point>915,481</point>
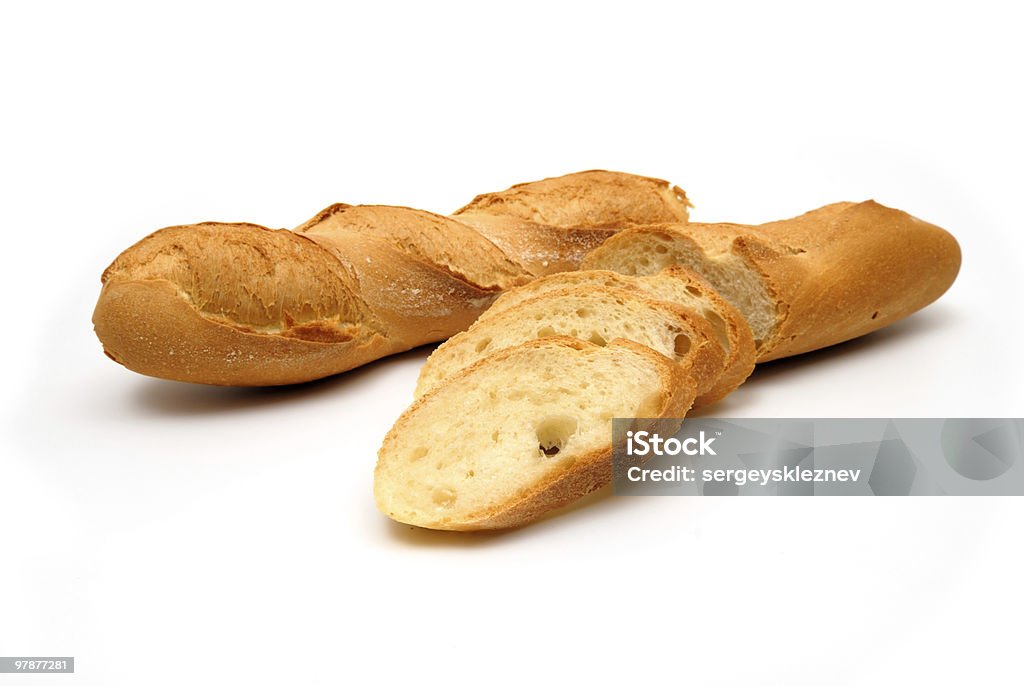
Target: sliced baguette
<point>521,432</point>
<point>677,285</point>
<point>594,313</point>
<point>805,283</point>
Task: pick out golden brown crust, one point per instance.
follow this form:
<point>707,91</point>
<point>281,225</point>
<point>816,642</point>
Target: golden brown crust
<point>288,278</point>
<point>549,226</point>
<point>587,474</point>
<point>589,198</point>
<point>183,345</point>
<point>849,269</point>
<point>432,238</point>
<point>414,301</point>
<point>352,276</point>
<point>540,249</point>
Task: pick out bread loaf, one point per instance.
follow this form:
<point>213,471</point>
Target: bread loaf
<point>243,305</point>
<point>805,283</point>
<point>521,432</point>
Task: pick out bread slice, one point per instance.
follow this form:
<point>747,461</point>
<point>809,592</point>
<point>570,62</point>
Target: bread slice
<point>822,278</point>
<point>675,284</point>
<point>520,433</point>
<point>647,250</point>
<point>596,314</point>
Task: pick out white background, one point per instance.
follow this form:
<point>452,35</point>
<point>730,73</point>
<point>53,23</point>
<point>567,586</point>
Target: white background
<point>164,533</point>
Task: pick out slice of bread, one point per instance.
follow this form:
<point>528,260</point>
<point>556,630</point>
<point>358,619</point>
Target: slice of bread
<point>593,313</point>
<point>827,276</point>
<point>675,284</point>
<point>646,250</point>
<point>520,433</point>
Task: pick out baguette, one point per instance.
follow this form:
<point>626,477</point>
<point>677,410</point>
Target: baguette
<point>596,314</point>
<point>822,278</point>
<point>520,433</point>
<point>243,305</point>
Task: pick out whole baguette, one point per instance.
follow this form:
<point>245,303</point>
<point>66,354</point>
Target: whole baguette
<point>243,305</point>
<point>822,278</point>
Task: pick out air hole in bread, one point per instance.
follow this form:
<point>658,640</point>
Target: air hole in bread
<point>875,315</point>
<point>482,344</point>
<point>693,290</point>
<point>682,344</point>
<point>419,453</point>
<point>583,312</point>
<point>597,339</point>
<point>545,332</point>
<point>553,433</point>
<point>444,497</point>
